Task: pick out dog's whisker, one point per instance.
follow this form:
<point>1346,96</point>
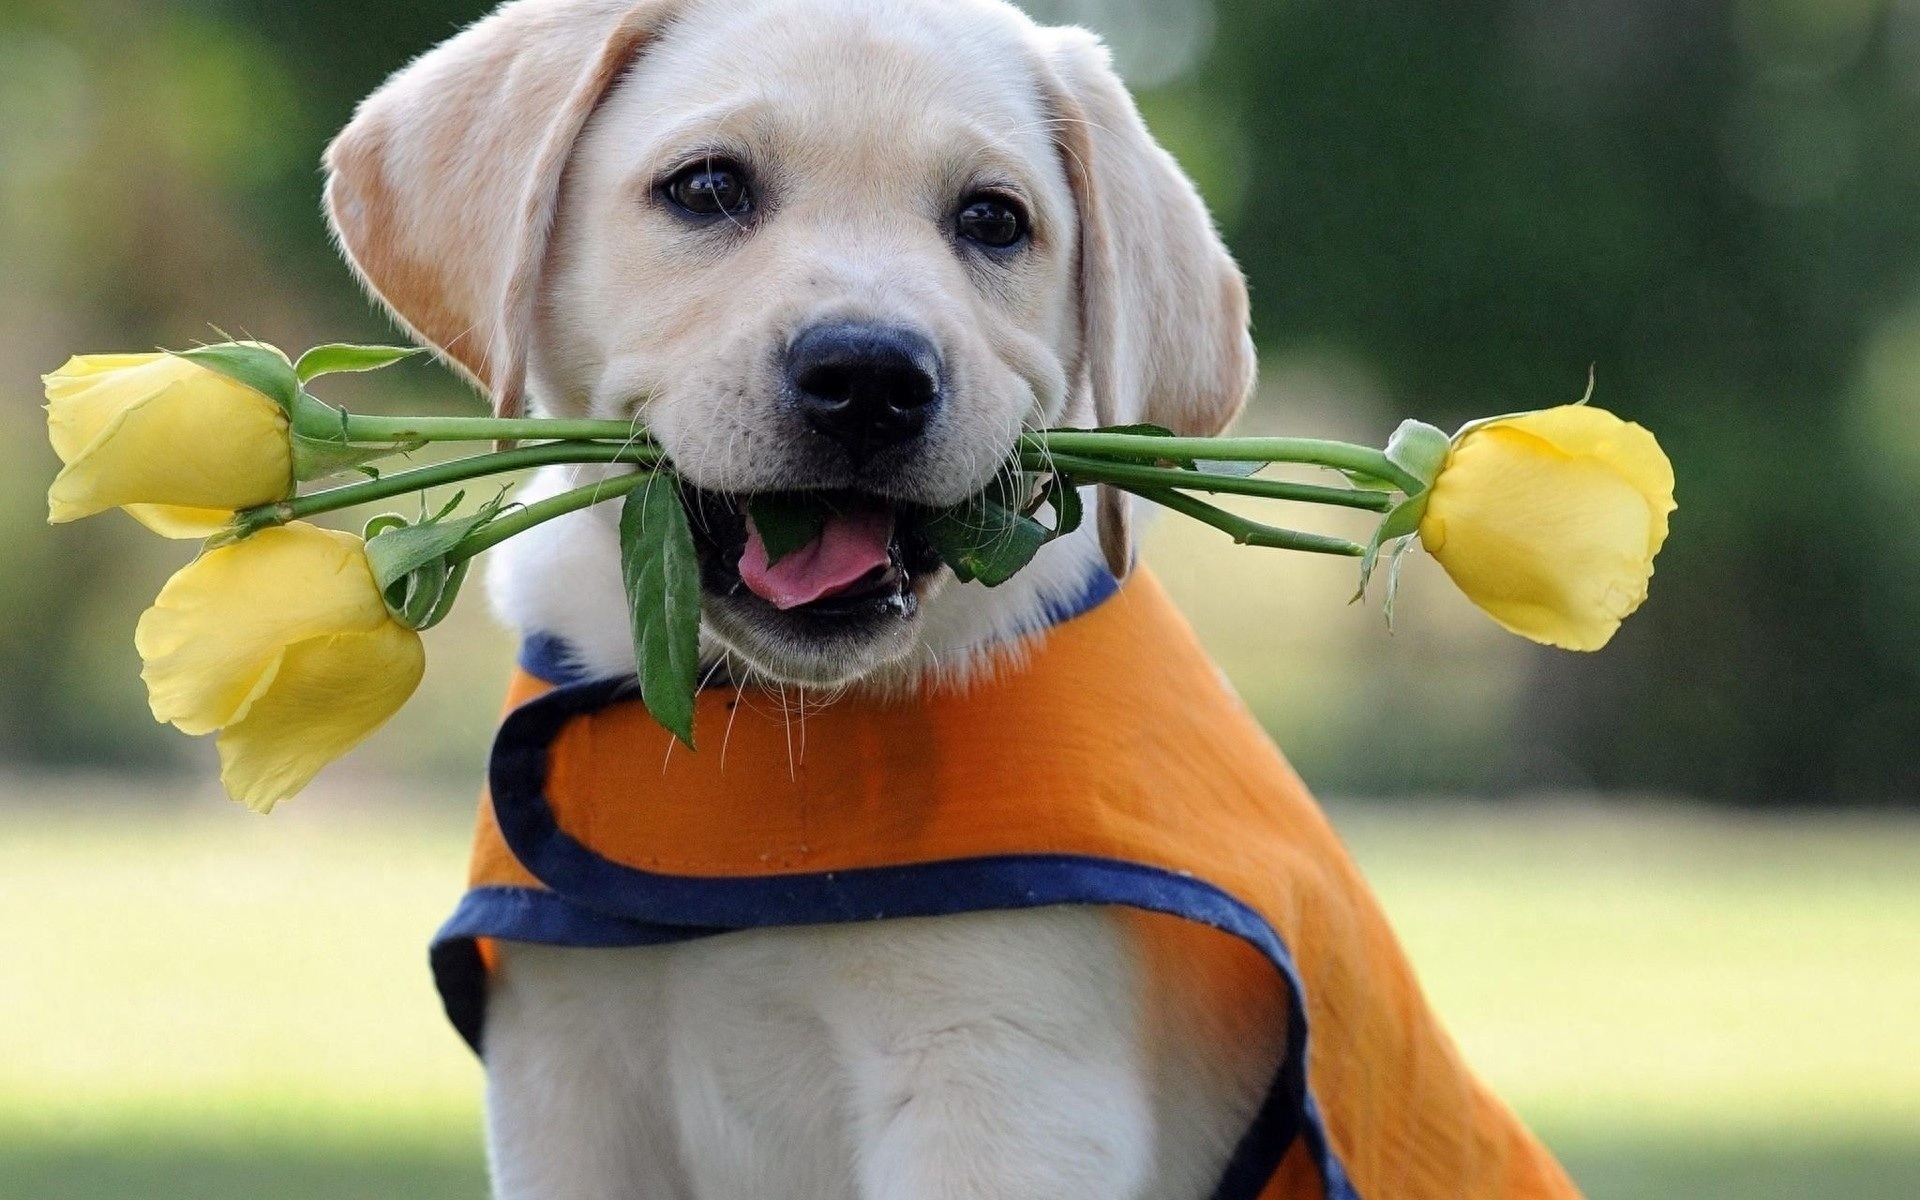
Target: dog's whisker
<point>786,715</point>
<point>733,714</point>
<point>803,724</point>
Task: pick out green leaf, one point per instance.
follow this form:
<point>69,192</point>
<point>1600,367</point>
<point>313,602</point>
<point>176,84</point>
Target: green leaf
<point>317,458</point>
<point>322,445</point>
<point>1016,489</point>
<point>380,524</point>
<point>1420,450</point>
<point>1403,522</point>
<point>983,539</point>
<point>787,522</point>
<point>397,552</point>
<point>1068,509</point>
<point>410,561</point>
<point>336,359</point>
<point>1371,483</point>
<point>1400,549</point>
<point>253,365</point>
<point>449,592</point>
<point>663,597</point>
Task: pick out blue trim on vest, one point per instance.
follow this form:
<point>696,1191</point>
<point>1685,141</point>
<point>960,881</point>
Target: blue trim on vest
<point>548,657</point>
<point>597,902</point>
<point>1099,588</point>
<point>532,915</point>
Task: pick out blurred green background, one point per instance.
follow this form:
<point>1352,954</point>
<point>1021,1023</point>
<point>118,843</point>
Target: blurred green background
<point>1675,915</point>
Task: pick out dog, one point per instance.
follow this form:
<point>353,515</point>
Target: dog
<point>855,248</point>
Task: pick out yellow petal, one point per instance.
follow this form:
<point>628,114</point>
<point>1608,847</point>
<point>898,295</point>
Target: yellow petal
<point>326,696</point>
<point>1554,537</point>
<point>166,432</point>
<point>85,395</point>
<point>222,620</point>
<point>82,370</point>
<point>186,524</point>
<point>82,366</point>
<point>1581,429</point>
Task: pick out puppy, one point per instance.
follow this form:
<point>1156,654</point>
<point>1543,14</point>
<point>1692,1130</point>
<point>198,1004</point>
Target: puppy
<point>852,247</point>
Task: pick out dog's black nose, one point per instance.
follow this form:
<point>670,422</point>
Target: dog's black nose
<point>868,387</point>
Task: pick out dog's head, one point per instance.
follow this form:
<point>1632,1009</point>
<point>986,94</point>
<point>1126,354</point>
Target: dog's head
<point>850,247</point>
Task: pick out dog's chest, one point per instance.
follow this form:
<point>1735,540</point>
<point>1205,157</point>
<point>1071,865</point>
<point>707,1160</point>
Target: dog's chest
<point>801,1062</point>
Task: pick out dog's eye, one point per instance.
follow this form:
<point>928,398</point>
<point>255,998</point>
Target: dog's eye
<point>993,221</point>
<point>711,188</point>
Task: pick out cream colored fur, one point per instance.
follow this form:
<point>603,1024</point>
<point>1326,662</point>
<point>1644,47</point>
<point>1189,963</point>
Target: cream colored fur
<point>498,197</point>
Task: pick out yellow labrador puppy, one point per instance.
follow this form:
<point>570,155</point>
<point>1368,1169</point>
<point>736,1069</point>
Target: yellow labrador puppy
<point>850,246</point>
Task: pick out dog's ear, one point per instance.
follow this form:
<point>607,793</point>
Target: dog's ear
<point>442,189</point>
<point>1163,308</point>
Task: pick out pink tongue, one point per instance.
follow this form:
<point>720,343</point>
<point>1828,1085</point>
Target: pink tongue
<point>850,547</point>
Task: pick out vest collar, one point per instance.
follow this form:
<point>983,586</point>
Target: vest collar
<point>548,657</point>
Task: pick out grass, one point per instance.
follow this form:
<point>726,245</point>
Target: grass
<point>185,1168</point>
<point>199,1003</point>
<point>1682,1003</point>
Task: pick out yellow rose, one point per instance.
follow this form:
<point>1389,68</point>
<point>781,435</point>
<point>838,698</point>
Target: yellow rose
<point>283,644</point>
<point>1550,521</point>
<point>178,445</point>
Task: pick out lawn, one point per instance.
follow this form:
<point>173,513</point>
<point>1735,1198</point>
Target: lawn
<point>200,1003</point>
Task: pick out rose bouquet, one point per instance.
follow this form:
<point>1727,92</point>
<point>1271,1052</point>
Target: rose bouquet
<point>294,642</point>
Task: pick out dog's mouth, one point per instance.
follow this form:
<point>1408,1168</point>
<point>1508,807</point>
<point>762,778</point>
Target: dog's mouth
<point>866,563</point>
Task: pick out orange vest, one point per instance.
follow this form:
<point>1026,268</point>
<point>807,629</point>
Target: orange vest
<point>1110,765</point>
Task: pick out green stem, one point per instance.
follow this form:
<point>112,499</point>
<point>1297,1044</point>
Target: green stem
<point>456,470</point>
<point>326,425</point>
<point>1251,533</point>
<point>1092,470</point>
<point>1341,456</point>
<point>526,518</point>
